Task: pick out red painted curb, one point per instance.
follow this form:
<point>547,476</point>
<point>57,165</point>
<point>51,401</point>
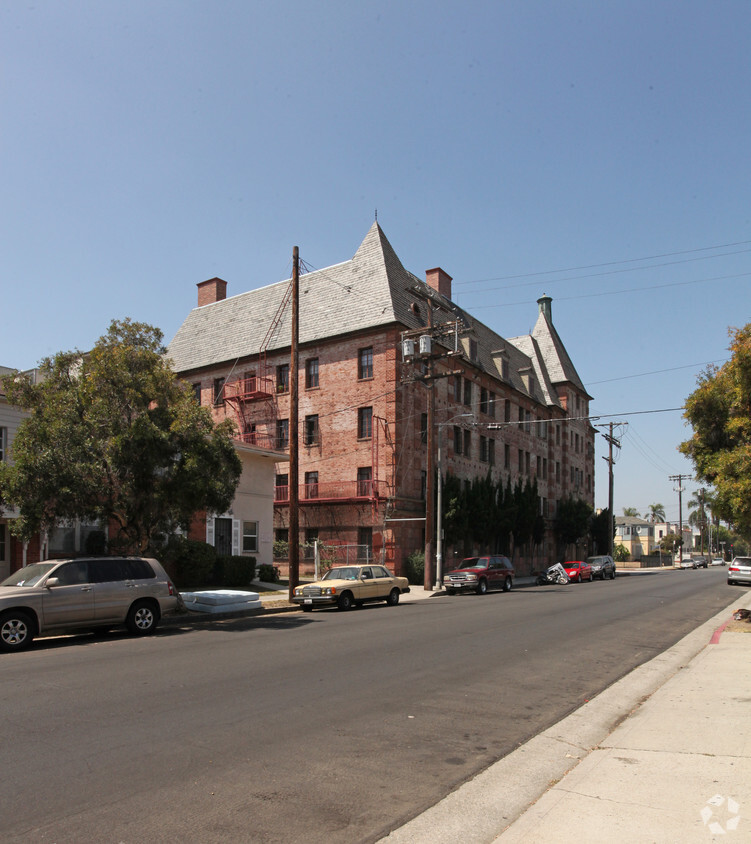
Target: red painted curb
<point>715,640</point>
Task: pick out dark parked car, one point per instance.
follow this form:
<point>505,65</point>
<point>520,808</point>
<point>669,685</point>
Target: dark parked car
<point>480,574</point>
<point>602,566</point>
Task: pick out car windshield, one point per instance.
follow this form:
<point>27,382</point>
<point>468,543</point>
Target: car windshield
<point>594,561</point>
<point>742,561</point>
<point>342,573</point>
<point>571,565</point>
<point>475,563</point>
<point>28,575</point>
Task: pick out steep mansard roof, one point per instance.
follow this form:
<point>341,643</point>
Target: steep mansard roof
<point>372,289</point>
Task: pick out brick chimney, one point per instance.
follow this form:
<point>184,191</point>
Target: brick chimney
<point>439,280</point>
<point>213,290</point>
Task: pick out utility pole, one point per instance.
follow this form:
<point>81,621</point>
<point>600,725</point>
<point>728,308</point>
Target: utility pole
<point>427,356</point>
<point>611,441</point>
<point>294,494</point>
<point>679,480</point>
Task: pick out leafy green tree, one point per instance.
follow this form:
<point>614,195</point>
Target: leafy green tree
<point>631,511</point>
<point>601,531</point>
<point>620,553</point>
<point>114,436</point>
<point>719,411</point>
<point>571,521</point>
<point>656,513</point>
<point>670,542</point>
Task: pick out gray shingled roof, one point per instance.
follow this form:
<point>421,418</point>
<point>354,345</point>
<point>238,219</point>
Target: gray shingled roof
<point>370,290</point>
<point>365,292</point>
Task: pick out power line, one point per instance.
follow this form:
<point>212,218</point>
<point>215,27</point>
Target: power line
<point>649,287</point>
<point>614,263</point>
<point>656,372</point>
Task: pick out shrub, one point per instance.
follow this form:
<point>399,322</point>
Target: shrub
<point>267,574</point>
<point>190,563</point>
<point>234,572</point>
<point>415,567</point>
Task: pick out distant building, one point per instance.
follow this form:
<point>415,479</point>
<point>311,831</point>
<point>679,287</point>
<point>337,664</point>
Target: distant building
<point>513,407</point>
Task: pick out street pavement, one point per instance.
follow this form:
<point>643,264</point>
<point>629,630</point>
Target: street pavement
<point>663,755</point>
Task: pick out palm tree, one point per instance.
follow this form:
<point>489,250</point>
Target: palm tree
<point>631,511</point>
<point>656,513</point>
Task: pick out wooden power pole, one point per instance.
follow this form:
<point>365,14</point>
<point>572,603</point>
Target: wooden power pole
<point>294,487</point>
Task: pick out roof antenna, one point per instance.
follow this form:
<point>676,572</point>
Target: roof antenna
<point>376,215</point>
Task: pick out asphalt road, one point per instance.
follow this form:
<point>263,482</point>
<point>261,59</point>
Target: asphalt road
<point>313,727</point>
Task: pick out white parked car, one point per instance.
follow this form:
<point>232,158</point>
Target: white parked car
<point>739,571</point>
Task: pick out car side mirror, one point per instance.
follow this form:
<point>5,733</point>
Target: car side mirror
<point>52,581</point>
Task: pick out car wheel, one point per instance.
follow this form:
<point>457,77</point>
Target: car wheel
<point>142,618</point>
<point>591,578</point>
<point>16,631</point>
<point>482,587</point>
<point>345,601</point>
<point>507,584</point>
<point>393,598</point>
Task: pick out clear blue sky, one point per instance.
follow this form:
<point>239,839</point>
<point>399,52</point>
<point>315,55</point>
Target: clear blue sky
<point>598,152</point>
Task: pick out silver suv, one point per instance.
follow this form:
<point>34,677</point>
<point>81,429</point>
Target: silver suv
<point>602,566</point>
<point>62,595</point>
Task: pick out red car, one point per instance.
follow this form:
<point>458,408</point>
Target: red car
<point>578,571</point>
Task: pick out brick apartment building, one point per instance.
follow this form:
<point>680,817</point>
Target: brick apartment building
<point>516,407</point>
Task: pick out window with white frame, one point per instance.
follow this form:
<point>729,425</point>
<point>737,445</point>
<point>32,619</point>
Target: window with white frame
<point>250,537</point>
<point>3,443</point>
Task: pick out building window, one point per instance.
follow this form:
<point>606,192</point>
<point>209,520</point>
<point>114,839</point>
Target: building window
<point>457,440</point>
<point>483,449</point>
<point>311,373</point>
<point>282,378</point>
<point>472,349</point>
<point>483,400</point>
<point>218,391</point>
<point>365,363</point>
<point>539,466</point>
<point>504,368</point>
<point>365,541</point>
<point>467,443</point>
<point>521,461</point>
<point>544,468</point>
<point>281,488</point>
<point>528,462</point>
<point>467,392</point>
<point>457,388</point>
<point>311,537</point>
<point>311,484</point>
<point>364,423</point>
<point>364,481</point>
<point>281,536</point>
<point>196,392</point>
<point>423,427</point>
<point>507,411</point>
<point>250,537</point>
<point>507,456</point>
<point>311,432</point>
<point>282,434</point>
<point>3,444</point>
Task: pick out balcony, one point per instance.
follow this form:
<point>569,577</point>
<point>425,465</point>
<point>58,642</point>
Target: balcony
<point>261,440</point>
<point>254,388</point>
<point>335,491</point>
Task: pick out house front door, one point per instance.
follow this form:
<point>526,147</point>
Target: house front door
<point>223,537</point>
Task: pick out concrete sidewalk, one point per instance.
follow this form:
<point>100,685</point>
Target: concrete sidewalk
<point>663,755</point>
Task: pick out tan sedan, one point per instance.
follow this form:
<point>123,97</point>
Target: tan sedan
<point>348,586</point>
